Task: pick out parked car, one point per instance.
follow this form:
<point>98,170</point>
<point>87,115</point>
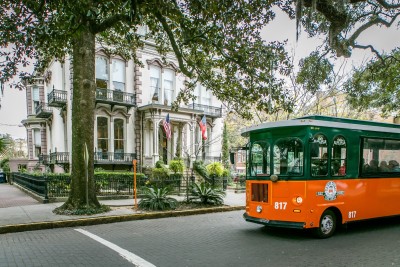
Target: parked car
<point>2,176</point>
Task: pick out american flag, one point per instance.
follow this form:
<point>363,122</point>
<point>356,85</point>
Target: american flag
<point>203,127</point>
<point>167,127</point>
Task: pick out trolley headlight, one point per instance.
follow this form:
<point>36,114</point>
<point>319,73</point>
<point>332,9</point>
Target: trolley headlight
<point>259,208</point>
<point>299,200</point>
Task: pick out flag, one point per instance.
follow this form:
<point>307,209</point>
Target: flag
<point>167,127</point>
<point>203,127</point>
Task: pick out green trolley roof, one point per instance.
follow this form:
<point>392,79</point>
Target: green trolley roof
<point>325,121</point>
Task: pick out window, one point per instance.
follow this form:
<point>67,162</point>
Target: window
<point>119,138</point>
<point>260,159</point>
<point>118,74</point>
<point>102,135</point>
<point>338,162</point>
<point>35,98</point>
<point>288,156</point>
<point>196,93</point>
<point>102,72</point>
<point>381,157</point>
<point>37,142</point>
<point>319,155</point>
<point>155,83</point>
<point>206,97</point>
<point>168,85</point>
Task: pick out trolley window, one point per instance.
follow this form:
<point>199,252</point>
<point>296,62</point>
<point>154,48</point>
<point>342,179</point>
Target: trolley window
<point>380,157</point>
<point>319,155</point>
<point>259,159</point>
<point>338,163</point>
<point>288,156</point>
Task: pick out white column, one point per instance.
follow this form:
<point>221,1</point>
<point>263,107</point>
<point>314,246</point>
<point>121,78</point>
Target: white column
<point>155,141</point>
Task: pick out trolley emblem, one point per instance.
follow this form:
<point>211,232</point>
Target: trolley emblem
<point>330,192</point>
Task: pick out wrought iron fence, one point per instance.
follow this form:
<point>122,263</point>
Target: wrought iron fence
<point>110,184</point>
<point>33,183</point>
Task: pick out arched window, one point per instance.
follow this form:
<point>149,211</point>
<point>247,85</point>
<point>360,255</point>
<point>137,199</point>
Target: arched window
<point>339,152</point>
<point>102,136</point>
<point>319,155</point>
<point>155,83</point>
<point>102,73</point>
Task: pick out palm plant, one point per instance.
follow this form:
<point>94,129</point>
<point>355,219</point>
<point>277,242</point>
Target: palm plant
<point>157,199</point>
<point>207,194</point>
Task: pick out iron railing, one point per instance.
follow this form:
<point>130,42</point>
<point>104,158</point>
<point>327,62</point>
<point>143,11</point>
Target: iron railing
<point>114,157</point>
<point>115,97</point>
<point>54,158</point>
<point>43,111</point>
<point>57,98</point>
<point>207,110</point>
<point>110,185</point>
<point>33,183</point>
<point>59,157</point>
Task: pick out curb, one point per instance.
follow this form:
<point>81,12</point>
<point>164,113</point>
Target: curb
<point>13,228</point>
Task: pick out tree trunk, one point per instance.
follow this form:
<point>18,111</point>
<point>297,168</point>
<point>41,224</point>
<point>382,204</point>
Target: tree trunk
<point>83,105</point>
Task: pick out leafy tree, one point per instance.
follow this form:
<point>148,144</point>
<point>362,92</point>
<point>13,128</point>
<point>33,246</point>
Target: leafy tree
<point>225,148</point>
<point>314,72</point>
<point>204,36</point>
<point>3,144</point>
<point>376,85</point>
<point>342,22</point>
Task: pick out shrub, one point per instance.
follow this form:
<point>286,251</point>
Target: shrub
<point>207,194</point>
<point>176,165</point>
<point>215,169</point>
<point>226,173</point>
<point>157,199</point>
<point>160,164</point>
<point>199,167</point>
<point>159,173</point>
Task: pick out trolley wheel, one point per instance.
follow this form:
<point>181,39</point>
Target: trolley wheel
<point>327,225</point>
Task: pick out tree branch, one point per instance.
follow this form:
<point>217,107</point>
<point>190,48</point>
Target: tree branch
<point>387,5</point>
<point>174,45</point>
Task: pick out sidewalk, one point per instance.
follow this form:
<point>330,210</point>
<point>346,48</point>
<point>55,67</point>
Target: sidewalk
<point>29,216</point>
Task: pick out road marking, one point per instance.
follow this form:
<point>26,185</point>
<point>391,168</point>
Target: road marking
<point>129,256</point>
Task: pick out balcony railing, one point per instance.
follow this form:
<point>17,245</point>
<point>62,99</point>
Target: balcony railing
<point>43,111</point>
<point>59,157</point>
<point>210,111</point>
<point>57,98</point>
<point>113,157</point>
<point>54,158</point>
<point>99,158</point>
<point>44,159</point>
<point>114,97</point>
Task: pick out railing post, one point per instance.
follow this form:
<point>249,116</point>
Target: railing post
<point>46,195</point>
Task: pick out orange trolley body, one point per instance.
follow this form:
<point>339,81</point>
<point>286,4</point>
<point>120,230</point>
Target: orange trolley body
<point>293,177</point>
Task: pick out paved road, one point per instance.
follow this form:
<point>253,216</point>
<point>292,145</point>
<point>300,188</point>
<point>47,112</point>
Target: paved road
<point>220,239</point>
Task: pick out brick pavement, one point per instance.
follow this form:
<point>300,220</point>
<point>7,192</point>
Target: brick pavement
<point>11,196</point>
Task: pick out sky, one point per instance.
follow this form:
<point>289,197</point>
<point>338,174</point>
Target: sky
<point>13,102</point>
